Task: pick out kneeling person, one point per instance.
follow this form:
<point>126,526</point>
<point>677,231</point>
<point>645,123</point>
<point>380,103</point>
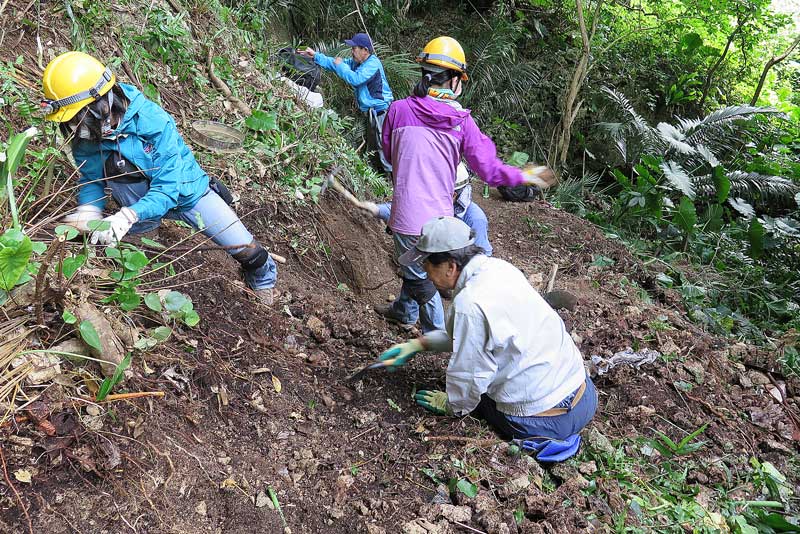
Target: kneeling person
<point>123,141</point>
<point>513,362</point>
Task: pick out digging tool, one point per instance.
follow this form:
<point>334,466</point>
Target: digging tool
<point>559,298</point>
<point>331,181</point>
<point>358,375</point>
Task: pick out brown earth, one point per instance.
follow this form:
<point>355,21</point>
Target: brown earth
<point>345,458</point>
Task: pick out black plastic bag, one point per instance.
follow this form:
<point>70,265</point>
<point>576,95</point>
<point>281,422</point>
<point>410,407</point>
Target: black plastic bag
<point>299,69</point>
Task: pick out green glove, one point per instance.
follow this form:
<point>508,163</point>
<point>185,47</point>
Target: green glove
<point>434,401</point>
<point>399,354</point>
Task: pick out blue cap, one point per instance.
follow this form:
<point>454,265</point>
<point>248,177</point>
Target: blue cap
<point>360,39</point>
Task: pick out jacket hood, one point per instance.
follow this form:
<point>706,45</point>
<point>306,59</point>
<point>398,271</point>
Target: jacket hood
<point>135,102</point>
<point>437,114</point>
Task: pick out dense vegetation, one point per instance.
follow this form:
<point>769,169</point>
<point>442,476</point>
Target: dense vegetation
<point>674,124</point>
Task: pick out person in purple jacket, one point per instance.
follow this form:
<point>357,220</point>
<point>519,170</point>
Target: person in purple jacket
<point>425,136</point>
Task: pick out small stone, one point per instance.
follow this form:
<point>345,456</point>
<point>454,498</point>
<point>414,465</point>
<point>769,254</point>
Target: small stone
<point>461,514</point>
<point>328,401</point>
<point>93,410</point>
<point>576,337</point>
<point>318,329</point>
<point>745,381</point>
<point>375,529</point>
<point>201,509</point>
<point>336,513</point>
<point>517,484</point>
<point>390,298</point>
<point>640,411</point>
<point>262,499</point>
<point>588,468</point>
<point>599,442</point>
<point>758,378</point>
<point>697,371</point>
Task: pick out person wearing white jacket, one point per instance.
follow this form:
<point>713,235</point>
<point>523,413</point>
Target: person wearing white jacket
<point>513,362</point>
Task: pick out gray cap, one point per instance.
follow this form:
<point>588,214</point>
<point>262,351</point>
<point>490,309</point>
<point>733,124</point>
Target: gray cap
<point>441,234</point>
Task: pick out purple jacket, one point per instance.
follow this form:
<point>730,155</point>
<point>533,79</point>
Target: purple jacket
<point>425,138</point>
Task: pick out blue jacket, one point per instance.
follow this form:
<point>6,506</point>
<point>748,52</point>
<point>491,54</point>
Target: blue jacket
<point>368,79</point>
<point>148,138</point>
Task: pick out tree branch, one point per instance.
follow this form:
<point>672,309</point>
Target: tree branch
<point>771,63</point>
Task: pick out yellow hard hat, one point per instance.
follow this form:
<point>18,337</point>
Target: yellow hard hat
<point>72,81</point>
<point>445,52</point>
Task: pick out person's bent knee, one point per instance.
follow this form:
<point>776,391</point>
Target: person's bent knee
<point>252,258</point>
<point>421,290</point>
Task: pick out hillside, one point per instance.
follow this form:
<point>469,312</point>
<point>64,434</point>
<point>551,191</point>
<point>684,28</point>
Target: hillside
<point>251,406</point>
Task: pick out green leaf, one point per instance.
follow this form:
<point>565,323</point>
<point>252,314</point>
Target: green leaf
<point>714,218</point>
<point>108,383</point>
<point>15,251</point>
<point>89,335</point>
<point>98,226</point>
<point>665,280</point>
<point>262,121</point>
<point>69,232</point>
<point>174,301</point>
<point>71,265</point>
<point>9,161</point>
<point>722,183</point>
<point>68,317</point>
<point>39,247</point>
<point>394,405</point>
<point>161,333</point>
<point>518,159</point>
<point>191,318</point>
<point>755,236</point>
<point>135,261</point>
<point>113,253</point>
<point>467,488</point>
<point>598,260</point>
<point>145,343</point>
<point>686,216</point>
<point>519,516</point>
<point>691,42</point>
<point>151,243</point>
<point>153,301</point>
<point>128,299</point>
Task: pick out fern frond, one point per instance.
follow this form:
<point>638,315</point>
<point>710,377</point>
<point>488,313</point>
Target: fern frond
<point>678,177</point>
<point>713,126</point>
<point>674,138</point>
<point>766,193</point>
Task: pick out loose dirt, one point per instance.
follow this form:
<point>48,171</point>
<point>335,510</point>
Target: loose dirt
<point>256,397</point>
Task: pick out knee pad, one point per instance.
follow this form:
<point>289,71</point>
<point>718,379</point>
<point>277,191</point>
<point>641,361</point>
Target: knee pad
<point>421,290</point>
<point>252,259</point>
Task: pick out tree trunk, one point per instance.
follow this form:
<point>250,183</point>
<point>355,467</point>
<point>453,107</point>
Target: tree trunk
<point>571,107</point>
<point>713,69</point>
<point>774,60</point>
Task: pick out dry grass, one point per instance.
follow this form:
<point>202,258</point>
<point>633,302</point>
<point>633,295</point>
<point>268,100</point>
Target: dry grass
<point>13,340</point>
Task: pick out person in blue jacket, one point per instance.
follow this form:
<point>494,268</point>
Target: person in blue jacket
<point>365,73</point>
<point>130,147</point>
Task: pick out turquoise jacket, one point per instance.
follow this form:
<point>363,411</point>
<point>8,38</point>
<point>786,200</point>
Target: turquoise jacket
<point>148,138</point>
<point>368,79</point>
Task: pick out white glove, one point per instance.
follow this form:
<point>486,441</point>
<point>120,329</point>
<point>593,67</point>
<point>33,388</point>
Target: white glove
<point>369,208</point>
<point>82,216</point>
<point>120,223</point>
<point>540,176</point>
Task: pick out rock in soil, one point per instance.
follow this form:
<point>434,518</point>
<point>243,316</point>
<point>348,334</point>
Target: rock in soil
<point>460,514</point>
<point>318,329</point>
